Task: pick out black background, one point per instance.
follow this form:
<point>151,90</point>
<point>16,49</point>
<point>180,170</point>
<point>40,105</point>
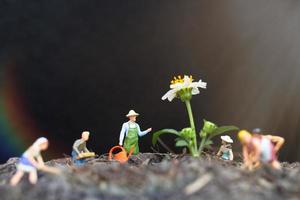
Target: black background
<point>82,65</point>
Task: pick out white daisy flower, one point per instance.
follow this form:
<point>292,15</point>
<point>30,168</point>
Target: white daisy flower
<point>178,84</point>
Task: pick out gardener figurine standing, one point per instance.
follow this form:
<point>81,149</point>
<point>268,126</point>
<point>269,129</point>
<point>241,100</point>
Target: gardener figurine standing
<point>79,147</point>
<point>131,130</point>
<point>225,150</point>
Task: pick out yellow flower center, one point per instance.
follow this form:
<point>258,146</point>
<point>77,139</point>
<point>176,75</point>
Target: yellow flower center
<point>180,79</point>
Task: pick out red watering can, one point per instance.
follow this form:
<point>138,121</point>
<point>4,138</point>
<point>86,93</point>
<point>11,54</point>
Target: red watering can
<point>121,156</point>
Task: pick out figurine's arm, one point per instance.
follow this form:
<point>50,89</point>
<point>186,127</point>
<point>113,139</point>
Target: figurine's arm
<point>75,146</point>
<point>40,160</point>
<point>257,151</point>
<point>220,151</point>
<point>122,133</point>
<point>31,158</point>
<point>142,133</point>
<point>277,140</point>
<point>245,155</point>
<point>230,154</point>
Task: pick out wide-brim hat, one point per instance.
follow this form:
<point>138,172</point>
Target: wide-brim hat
<point>132,113</point>
<point>227,139</point>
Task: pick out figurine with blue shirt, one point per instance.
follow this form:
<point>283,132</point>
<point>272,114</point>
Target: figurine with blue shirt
<point>131,132</point>
<point>225,151</point>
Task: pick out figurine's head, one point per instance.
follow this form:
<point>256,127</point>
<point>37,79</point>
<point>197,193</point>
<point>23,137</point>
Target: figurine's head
<point>85,135</point>
<point>132,115</point>
<point>244,136</point>
<point>42,143</point>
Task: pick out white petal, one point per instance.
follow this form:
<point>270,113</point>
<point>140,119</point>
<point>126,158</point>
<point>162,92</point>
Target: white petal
<point>171,94</point>
<point>199,84</point>
<point>195,91</point>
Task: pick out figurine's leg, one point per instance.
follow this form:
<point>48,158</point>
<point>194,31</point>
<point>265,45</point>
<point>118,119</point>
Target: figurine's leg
<point>74,156</point>
<point>33,177</point>
<point>136,149</point>
<point>256,164</point>
<point>16,178</point>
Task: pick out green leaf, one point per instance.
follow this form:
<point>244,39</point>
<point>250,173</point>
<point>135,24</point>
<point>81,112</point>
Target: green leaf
<point>208,142</point>
<point>163,131</point>
<point>222,129</point>
<point>181,143</point>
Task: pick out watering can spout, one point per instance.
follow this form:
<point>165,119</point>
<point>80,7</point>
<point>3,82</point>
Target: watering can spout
<point>121,156</point>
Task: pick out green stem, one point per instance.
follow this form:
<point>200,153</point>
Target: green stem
<point>202,145</point>
<point>190,113</point>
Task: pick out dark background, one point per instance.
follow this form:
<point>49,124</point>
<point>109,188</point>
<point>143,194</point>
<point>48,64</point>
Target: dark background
<point>82,65</point>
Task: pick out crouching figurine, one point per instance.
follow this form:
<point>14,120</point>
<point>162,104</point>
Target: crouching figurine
<point>31,161</point>
<point>79,149</point>
<point>131,130</point>
<point>225,151</point>
<point>260,149</point>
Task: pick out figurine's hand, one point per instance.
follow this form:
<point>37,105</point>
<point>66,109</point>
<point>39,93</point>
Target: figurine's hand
<point>149,130</point>
<point>40,166</point>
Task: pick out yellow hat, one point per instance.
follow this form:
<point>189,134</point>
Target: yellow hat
<point>242,134</point>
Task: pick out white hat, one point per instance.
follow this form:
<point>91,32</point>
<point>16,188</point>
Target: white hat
<point>132,113</point>
<point>39,141</point>
<point>226,138</point>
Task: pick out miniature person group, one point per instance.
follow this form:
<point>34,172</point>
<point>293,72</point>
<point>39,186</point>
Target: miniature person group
<point>31,160</point>
<point>257,149</point>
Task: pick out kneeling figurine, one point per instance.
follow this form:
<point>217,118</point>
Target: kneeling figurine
<point>31,161</point>
<point>80,153</point>
<point>260,149</point>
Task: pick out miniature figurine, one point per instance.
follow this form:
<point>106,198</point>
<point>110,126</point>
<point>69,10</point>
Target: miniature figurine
<point>225,150</point>
<point>260,149</point>
<point>131,130</point>
<point>30,161</point>
<point>80,152</point>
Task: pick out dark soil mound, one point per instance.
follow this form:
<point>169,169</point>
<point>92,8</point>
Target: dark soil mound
<point>155,176</point>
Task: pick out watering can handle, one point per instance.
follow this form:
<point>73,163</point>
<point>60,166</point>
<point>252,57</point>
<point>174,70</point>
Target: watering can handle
<point>112,149</point>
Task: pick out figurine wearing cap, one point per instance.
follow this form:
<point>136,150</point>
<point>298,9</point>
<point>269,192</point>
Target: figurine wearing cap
<point>131,131</point>
<point>225,150</point>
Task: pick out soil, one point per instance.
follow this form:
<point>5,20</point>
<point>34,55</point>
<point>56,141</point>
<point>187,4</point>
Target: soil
<point>155,176</point>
